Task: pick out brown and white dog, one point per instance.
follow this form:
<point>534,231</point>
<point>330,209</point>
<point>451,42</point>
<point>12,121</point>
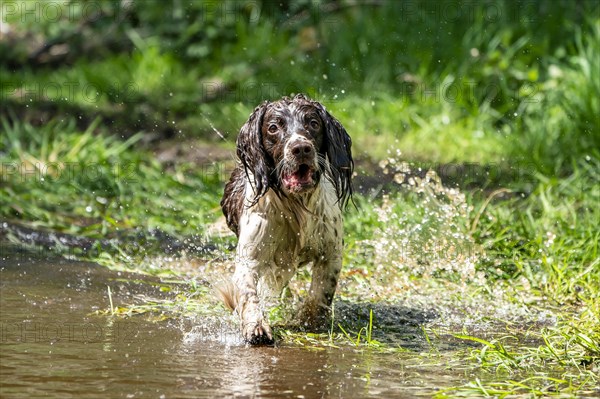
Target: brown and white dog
<point>284,201</point>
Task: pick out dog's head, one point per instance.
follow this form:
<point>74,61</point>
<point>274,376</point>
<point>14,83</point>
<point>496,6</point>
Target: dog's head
<point>290,144</point>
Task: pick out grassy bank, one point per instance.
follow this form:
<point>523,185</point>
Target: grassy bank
<point>125,140</point>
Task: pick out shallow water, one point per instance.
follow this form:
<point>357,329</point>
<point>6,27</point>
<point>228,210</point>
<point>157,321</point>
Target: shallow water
<point>54,345</point>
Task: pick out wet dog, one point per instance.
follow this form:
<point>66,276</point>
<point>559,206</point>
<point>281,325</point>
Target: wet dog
<point>284,202</point>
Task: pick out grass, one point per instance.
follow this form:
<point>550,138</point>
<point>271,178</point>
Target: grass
<point>364,336</point>
<point>483,92</point>
<point>505,113</point>
<point>91,185</point>
<point>563,362</point>
<point>541,249</point>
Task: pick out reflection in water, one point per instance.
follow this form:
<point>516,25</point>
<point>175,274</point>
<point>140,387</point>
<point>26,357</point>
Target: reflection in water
<point>53,345</point>
<point>296,372</point>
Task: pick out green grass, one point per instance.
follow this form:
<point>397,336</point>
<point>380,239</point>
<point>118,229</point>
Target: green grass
<point>462,91</point>
<point>514,102</point>
<point>364,336</point>
<point>562,362</point>
<point>94,185</point>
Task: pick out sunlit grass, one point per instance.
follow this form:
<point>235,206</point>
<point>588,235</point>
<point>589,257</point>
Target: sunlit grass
<point>565,360</point>
<point>91,184</point>
<point>522,234</point>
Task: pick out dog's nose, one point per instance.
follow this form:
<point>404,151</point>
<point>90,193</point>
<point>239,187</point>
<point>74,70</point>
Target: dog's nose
<point>302,149</point>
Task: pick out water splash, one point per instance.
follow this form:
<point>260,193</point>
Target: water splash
<point>424,229</point>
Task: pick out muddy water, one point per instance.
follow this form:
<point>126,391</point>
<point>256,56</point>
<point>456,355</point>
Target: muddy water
<point>54,345</point>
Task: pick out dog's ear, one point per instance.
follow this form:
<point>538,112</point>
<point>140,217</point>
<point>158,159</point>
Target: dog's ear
<point>252,153</point>
<point>338,149</point>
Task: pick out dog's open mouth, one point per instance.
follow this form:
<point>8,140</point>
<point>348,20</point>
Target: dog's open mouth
<point>301,178</point>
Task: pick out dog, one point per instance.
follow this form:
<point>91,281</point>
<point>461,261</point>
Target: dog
<point>284,202</point>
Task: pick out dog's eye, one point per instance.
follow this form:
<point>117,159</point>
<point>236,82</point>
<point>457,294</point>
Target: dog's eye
<point>273,128</point>
<point>314,124</point>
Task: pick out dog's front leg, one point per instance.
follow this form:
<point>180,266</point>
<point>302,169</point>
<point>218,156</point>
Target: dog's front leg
<point>252,256</point>
<point>255,329</point>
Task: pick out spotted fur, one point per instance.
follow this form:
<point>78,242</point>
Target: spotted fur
<point>284,201</point>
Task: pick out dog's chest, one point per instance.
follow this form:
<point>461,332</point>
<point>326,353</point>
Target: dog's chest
<point>295,234</point>
<point>320,239</point>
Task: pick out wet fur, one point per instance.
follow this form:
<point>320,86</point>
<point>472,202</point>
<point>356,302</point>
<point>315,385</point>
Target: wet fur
<point>278,230</point>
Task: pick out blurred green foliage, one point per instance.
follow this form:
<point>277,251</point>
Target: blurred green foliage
<point>490,71</point>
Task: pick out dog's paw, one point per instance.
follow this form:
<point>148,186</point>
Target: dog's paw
<point>257,333</point>
<point>313,318</point>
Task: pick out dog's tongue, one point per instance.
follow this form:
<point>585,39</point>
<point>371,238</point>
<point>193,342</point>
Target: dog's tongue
<point>299,177</point>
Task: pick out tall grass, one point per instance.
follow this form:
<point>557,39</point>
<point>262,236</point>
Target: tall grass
<point>93,184</point>
<point>449,81</point>
<point>562,126</point>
